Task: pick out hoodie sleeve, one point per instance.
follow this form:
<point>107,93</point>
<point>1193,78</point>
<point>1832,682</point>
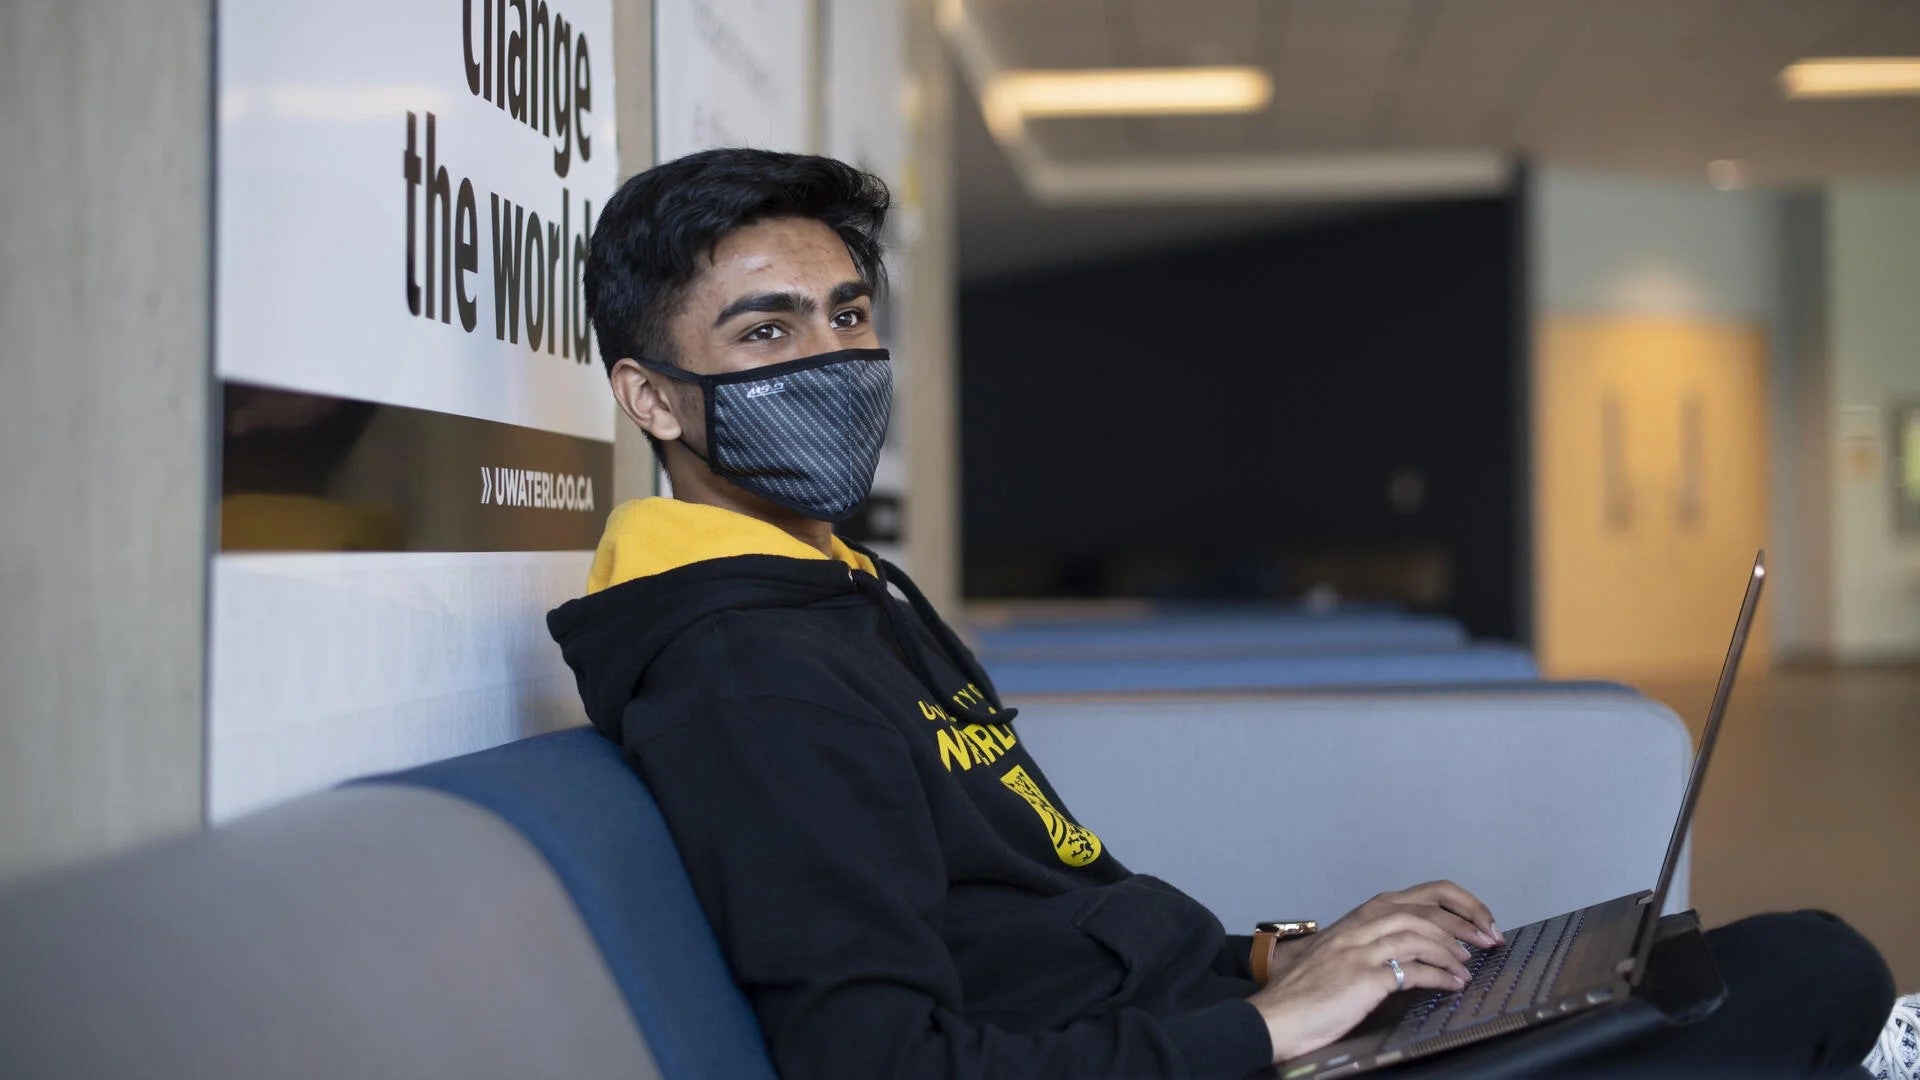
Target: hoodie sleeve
<point>1236,957</point>
<point>811,845</point>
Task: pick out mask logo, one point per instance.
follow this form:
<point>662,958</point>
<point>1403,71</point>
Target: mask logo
<point>1074,844</point>
<point>816,449</point>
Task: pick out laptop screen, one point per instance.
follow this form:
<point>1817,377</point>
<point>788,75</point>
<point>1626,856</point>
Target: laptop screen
<point>1728,668</point>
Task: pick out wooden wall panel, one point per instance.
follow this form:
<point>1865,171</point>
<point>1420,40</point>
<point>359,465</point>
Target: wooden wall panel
<point>1650,489</point>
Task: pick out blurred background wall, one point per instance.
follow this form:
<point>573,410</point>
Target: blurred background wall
<point>1334,403</point>
<point>1653,310</point>
<point>1694,367</point>
<point>1873,357</point>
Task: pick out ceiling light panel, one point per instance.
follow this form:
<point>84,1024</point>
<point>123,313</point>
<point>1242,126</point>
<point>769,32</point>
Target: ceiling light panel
<point>1132,91</point>
<point>1852,77</point>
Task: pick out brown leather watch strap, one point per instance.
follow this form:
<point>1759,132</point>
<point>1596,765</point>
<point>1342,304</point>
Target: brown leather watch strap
<point>1262,959</point>
<point>1266,938</point>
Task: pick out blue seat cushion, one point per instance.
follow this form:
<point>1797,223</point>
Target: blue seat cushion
<point>571,794</point>
<point>1203,633</point>
<point>1273,671</point>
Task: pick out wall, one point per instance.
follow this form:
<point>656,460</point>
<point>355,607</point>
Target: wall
<point>1827,278</point>
<point>1873,264</point>
<point>1654,320</point>
<point>1230,419</point>
<point>932,408</point>
<point>634,470</point>
<point>1802,594</point>
<point>405,622</point>
<point>1619,244</point>
<point>103,423</point>
<point>105,306</point>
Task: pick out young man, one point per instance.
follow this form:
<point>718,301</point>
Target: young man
<point>897,887</point>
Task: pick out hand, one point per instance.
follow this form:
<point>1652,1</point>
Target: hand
<point>1443,903</point>
<point>1326,983</point>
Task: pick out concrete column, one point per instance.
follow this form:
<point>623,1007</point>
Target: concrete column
<point>634,471</point>
<point>933,406</point>
<point>104,311</point>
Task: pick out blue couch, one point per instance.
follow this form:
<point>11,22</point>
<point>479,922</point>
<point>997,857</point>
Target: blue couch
<point>522,911</point>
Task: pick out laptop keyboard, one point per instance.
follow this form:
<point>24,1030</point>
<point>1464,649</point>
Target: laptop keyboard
<point>1512,977</point>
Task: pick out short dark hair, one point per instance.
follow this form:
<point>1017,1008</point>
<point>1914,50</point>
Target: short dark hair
<point>655,230</point>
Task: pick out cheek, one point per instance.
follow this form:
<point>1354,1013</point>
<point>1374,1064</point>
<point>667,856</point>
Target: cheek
<point>691,408</point>
<point>687,405</point>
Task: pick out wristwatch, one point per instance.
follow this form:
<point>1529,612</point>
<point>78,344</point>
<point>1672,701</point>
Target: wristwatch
<point>1266,935</point>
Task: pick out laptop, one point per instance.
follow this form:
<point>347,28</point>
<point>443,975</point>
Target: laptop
<point>1548,971</point>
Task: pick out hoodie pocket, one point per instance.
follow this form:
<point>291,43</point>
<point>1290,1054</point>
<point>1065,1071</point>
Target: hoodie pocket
<point>1148,930</point>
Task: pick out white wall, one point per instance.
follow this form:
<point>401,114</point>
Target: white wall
<point>1873,266</point>
<point>1614,244</point>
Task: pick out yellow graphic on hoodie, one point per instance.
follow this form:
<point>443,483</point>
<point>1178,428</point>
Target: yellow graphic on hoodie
<point>1076,845</point>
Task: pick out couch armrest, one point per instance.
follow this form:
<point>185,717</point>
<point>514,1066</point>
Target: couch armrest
<point>1538,799</point>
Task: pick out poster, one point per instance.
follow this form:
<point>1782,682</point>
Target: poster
<point>415,431</point>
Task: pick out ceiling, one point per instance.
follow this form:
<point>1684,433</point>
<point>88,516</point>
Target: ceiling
<point>1649,86</point>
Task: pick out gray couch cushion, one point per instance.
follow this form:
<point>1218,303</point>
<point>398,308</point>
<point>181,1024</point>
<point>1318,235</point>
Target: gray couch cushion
<point>368,931</point>
<point>1264,807</point>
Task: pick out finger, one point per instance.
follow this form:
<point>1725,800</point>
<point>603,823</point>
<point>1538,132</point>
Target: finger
<point>1416,957</point>
<point>1417,950</point>
<point>1454,926</point>
<point>1424,977</point>
<point>1404,921</point>
<point>1459,901</point>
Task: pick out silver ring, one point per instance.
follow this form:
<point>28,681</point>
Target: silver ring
<point>1399,974</point>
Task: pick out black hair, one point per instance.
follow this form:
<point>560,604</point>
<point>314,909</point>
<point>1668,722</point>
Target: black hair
<point>657,228</point>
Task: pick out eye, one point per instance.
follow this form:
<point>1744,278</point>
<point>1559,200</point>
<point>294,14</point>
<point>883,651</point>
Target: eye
<point>765,332</point>
<point>849,318</point>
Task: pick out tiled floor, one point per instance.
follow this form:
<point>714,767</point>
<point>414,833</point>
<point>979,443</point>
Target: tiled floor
<point>1813,800</point>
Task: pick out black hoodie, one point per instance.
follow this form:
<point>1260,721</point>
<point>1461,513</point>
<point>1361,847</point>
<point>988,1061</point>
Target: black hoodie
<point>898,889</point>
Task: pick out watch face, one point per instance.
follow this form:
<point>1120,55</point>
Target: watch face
<point>1287,929</point>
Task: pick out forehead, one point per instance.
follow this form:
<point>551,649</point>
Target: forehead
<point>779,253</point>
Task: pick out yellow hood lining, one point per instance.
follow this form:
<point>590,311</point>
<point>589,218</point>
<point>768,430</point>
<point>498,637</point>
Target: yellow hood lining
<point>651,536</point>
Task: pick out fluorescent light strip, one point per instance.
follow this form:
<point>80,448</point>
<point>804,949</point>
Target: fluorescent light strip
<point>1017,95</point>
<point>1852,77</point>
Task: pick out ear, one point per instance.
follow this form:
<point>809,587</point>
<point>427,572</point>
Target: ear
<point>644,400</point>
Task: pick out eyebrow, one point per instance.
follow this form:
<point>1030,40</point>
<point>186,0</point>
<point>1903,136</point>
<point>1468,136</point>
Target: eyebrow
<point>792,302</point>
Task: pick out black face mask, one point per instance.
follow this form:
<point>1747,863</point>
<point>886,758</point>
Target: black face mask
<point>804,434</point>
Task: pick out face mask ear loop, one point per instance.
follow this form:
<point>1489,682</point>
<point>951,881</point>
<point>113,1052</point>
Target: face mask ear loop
<point>706,393</point>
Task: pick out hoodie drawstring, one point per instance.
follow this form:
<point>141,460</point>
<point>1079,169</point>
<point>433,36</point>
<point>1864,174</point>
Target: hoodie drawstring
<point>905,636</point>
